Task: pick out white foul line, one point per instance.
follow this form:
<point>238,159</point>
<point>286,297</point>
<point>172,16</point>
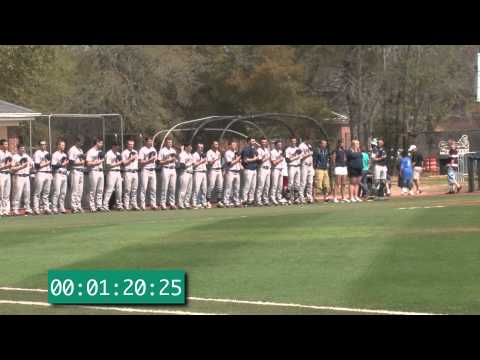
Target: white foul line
<point>112,308</point>
<point>266,303</point>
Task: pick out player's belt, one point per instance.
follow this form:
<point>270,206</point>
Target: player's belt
<point>216,169</point>
<point>234,171</point>
<point>291,165</point>
<point>189,172</point>
<point>307,164</point>
<point>61,172</point>
<point>116,170</point>
<point>149,169</point>
<point>79,169</point>
<point>130,170</point>
<point>96,169</point>
<point>199,171</point>
<point>21,175</point>
<point>45,172</point>
<point>266,167</point>
<point>4,172</point>
<point>169,167</point>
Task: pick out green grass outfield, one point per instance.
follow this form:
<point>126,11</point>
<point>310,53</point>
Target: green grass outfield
<point>376,255</point>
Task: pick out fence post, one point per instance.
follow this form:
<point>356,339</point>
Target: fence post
<point>471,174</point>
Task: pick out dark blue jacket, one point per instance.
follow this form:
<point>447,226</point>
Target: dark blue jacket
<point>249,152</point>
<point>321,159</point>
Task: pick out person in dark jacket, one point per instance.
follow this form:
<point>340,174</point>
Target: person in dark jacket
<point>354,165</point>
<point>321,163</point>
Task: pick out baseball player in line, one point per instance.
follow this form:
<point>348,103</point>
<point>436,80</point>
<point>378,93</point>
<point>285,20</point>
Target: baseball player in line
<point>130,177</point>
<point>95,157</point>
<point>76,159</point>
<point>233,168</point>
<point>148,178</point>
<point>199,179</point>
<point>6,162</point>
<point>263,173</point>
<point>43,179</point>
<point>185,177</point>
<point>22,165</point>
<point>167,159</point>
<point>215,176</point>
<point>306,172</point>
<point>113,161</point>
<point>59,167</point>
<point>249,159</point>
<point>277,160</point>
<point>293,157</point>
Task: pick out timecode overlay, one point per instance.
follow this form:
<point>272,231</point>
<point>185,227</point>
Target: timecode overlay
<point>116,287</point>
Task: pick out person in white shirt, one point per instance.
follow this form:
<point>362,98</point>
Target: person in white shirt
<point>263,173</point>
<point>6,161</point>
<point>215,176</point>
<point>113,161</point>
<point>76,158</point>
<point>185,176</point>
<point>199,178</point>
<point>59,167</point>
<point>148,178</point>
<point>293,157</point>
<point>43,179</point>
<point>22,164</point>
<point>95,158</point>
<point>277,160</point>
<point>306,171</point>
<point>167,158</point>
<point>130,177</point>
<point>233,167</point>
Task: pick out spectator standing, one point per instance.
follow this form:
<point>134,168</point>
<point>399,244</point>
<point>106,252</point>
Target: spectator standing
<point>339,160</point>
<point>354,166</point>
<point>321,163</point>
<point>417,162</point>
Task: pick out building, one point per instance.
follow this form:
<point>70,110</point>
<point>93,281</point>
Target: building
<point>11,117</point>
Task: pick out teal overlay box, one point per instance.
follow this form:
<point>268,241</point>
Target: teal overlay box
<point>116,287</point>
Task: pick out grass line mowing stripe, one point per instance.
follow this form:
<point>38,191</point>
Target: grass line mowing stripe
<point>266,303</point>
<point>121,309</point>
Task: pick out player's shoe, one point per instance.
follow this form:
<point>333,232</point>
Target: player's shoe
<point>28,212</point>
<point>220,204</point>
<point>173,207</point>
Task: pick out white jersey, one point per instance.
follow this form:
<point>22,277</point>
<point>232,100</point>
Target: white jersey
<point>92,155</point>
<point>229,157</point>
<point>58,158</point>
<point>38,157</point>
<point>127,154</point>
<point>290,153</point>
<point>265,155</point>
<point>166,154</point>
<point>306,149</point>
<point>111,158</point>
<point>146,153</point>
<point>276,155</point>
<point>187,159</point>
<point>17,161</point>
<point>3,156</point>
<point>73,154</point>
<point>196,158</point>
<point>215,155</point>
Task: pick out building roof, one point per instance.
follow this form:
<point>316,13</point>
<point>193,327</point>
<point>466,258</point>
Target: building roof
<point>12,114</point>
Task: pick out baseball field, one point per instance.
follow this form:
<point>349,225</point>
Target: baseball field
<point>403,255</point>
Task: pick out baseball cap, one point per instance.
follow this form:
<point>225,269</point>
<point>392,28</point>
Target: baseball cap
<point>412,148</point>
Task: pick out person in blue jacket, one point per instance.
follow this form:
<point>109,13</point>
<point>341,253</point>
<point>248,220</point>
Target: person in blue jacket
<point>406,173</point>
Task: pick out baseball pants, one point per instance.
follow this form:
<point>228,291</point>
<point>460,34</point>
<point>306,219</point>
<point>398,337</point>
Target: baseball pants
<point>95,194</point>
<point>5,187</point>
<point>306,182</point>
<point>185,189</point>
<point>113,183</point>
<point>215,181</point>
<point>232,188</point>
<point>59,192</point>
<point>199,188</point>
<point>276,185</point>
<point>130,186</point>
<point>263,185</point>
<point>169,183</point>
<point>76,183</point>
<point>43,182</point>
<point>21,192</point>
<point>148,183</point>
<point>249,185</point>
<point>293,180</point>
